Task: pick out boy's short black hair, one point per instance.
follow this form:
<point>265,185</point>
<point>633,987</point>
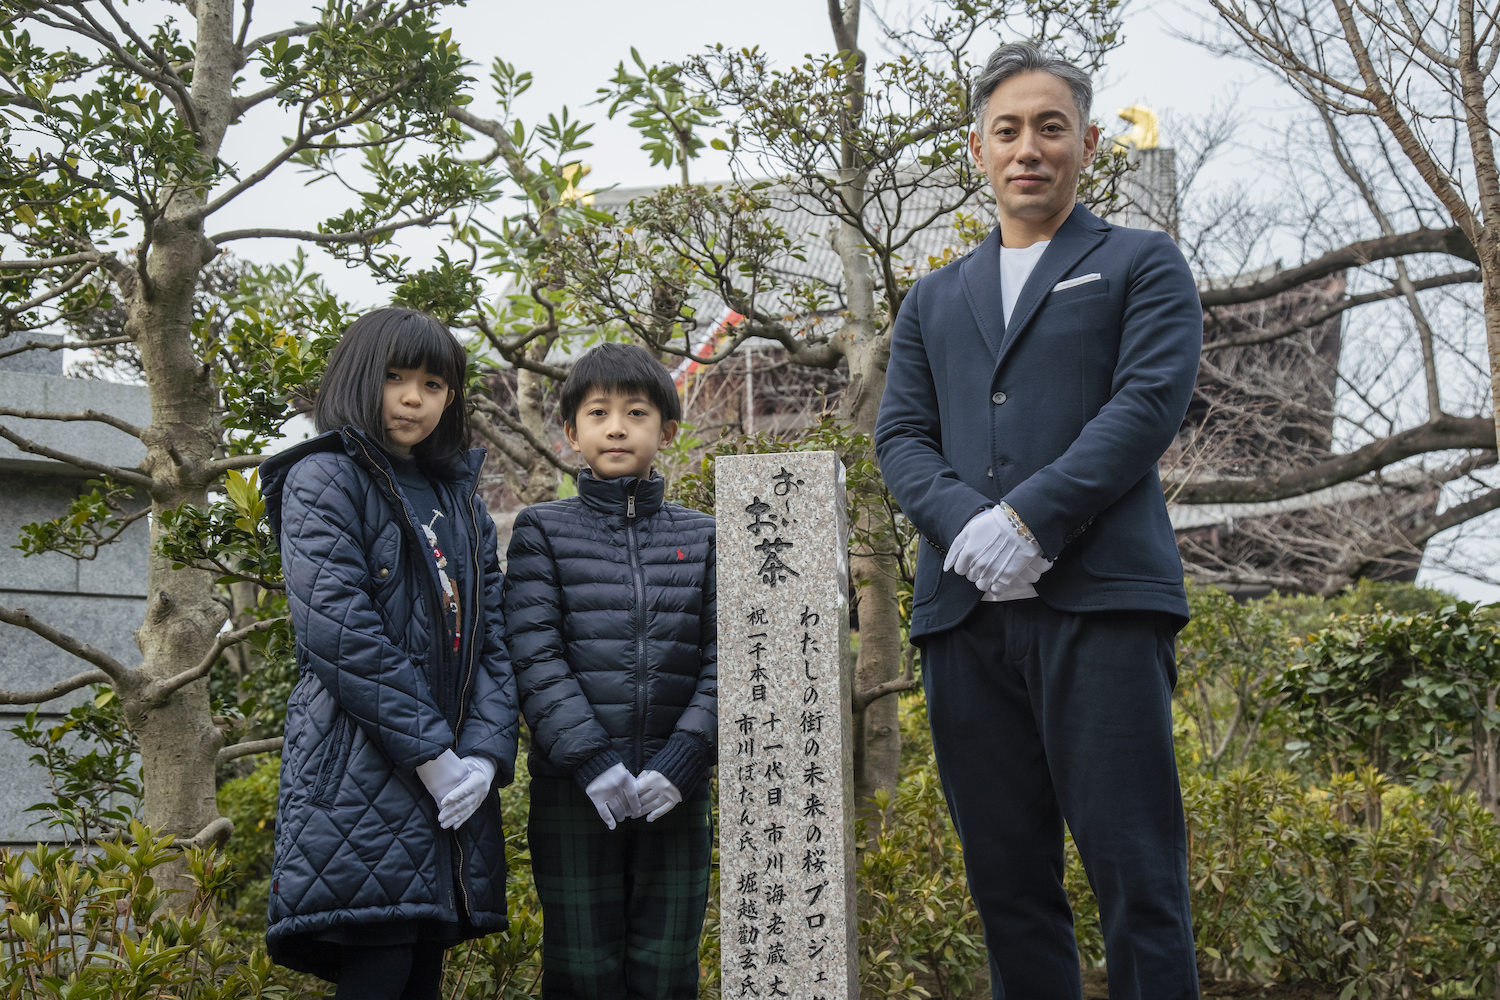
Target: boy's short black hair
<point>353,388</point>
<point>623,369</point>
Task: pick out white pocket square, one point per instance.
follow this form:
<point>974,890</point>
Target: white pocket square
<point>1082,279</point>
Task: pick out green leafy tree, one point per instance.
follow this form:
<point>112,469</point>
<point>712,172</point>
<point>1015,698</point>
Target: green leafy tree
<point>115,172</point>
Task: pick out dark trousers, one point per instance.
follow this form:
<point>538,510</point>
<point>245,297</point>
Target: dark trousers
<point>622,909</point>
<point>391,972</point>
<point>1040,717</point>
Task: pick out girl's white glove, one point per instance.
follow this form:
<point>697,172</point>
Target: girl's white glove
<point>658,795</point>
<point>442,774</point>
<point>459,804</point>
<point>613,794</point>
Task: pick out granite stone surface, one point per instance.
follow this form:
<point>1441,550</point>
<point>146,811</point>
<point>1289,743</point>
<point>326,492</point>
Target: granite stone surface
<point>36,362</point>
<point>786,798</point>
<point>94,441</point>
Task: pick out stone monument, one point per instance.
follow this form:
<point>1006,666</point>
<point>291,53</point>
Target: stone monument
<point>100,600</point>
<point>786,786</point>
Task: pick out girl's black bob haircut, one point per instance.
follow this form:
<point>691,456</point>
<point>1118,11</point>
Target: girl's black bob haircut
<point>353,389</point>
<point>619,369</point>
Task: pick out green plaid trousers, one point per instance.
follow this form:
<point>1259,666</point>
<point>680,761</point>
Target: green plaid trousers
<point>622,910</point>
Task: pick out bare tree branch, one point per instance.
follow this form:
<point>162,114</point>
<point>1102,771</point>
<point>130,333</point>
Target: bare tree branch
<point>1440,435</point>
<point>238,750</point>
<point>157,692</point>
<point>43,345</point>
<point>124,475</point>
<point>57,690</point>
<point>112,668</point>
<point>90,415</point>
<point>1449,241</point>
<point>543,448</point>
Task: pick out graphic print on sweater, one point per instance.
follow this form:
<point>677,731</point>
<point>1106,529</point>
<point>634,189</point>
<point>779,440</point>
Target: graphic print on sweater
<point>454,606</point>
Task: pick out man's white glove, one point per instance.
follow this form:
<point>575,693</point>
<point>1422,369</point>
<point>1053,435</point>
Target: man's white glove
<point>458,805</point>
<point>613,794</point>
<point>442,774</point>
<point>658,795</point>
<point>991,553</point>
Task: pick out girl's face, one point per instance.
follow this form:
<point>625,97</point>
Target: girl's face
<point>414,403</point>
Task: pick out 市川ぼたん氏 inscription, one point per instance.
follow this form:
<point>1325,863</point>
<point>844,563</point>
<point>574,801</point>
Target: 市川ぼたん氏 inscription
<point>786,810</point>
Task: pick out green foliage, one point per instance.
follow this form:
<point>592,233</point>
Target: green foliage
<point>92,521</point>
<point>230,537</point>
<point>665,114</point>
<point>93,768</point>
<point>916,917</point>
<point>1361,884</point>
<point>1407,693</point>
<point>277,328</point>
<point>101,925</point>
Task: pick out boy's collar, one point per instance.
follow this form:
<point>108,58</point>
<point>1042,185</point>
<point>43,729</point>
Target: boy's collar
<point>612,496</point>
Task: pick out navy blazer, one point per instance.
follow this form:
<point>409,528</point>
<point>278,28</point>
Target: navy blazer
<point>1063,413</point>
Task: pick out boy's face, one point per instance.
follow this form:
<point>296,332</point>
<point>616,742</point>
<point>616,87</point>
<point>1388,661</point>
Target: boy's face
<point>414,403</point>
<point>619,434</point>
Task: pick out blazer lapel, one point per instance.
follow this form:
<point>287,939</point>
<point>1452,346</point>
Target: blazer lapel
<point>1079,233</point>
<point>980,274</point>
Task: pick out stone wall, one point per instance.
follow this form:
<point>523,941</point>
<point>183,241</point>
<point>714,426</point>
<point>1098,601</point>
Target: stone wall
<point>100,601</point>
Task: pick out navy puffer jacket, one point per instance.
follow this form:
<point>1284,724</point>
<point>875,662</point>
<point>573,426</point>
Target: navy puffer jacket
<point>612,626</point>
<point>382,690</point>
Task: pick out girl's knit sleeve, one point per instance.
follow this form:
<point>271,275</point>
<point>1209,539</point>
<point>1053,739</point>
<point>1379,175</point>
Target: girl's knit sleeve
<point>490,724</point>
<point>338,628</point>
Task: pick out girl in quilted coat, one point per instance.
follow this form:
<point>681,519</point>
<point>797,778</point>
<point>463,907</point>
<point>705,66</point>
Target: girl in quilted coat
<point>389,846</point>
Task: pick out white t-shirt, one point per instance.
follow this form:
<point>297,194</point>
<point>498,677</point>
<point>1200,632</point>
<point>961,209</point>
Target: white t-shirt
<point>1015,267</point>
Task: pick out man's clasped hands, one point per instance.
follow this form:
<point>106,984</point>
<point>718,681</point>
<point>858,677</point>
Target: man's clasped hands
<point>993,554</point>
<point>459,784</point>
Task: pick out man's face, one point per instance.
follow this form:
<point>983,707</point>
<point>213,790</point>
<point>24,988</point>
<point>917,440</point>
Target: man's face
<point>619,434</point>
<point>1032,146</point>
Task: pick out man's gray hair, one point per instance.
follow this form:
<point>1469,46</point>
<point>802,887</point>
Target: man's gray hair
<point>1016,58</point>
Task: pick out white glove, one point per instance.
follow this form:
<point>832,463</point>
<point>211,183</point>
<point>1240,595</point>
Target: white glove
<point>991,553</point>
<point>658,795</point>
<point>1030,574</point>
<point>442,774</point>
<point>458,805</point>
<point>613,794</point>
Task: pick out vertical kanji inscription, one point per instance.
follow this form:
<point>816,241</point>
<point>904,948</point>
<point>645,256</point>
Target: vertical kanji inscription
<point>785,783</point>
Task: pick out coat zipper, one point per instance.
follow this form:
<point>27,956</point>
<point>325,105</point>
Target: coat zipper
<point>438,617</point>
<point>475,591</point>
<point>639,579</point>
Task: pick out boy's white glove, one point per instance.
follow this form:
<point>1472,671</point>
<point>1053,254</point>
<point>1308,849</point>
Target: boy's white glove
<point>991,553</point>
<point>613,794</point>
<point>442,774</point>
<point>458,805</point>
<point>658,795</point>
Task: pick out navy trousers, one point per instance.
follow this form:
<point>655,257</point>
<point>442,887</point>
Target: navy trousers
<point>1042,716</point>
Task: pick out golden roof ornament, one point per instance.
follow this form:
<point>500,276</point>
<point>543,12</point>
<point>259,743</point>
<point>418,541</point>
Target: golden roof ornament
<point>1145,134</point>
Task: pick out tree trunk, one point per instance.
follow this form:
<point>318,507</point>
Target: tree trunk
<point>531,395</point>
<point>178,738</point>
<point>876,580</point>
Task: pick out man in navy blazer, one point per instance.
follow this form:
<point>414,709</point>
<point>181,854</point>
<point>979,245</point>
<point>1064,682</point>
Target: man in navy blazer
<point>1031,389</point>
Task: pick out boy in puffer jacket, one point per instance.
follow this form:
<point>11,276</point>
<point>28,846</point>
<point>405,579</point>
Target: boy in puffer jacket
<point>611,624</point>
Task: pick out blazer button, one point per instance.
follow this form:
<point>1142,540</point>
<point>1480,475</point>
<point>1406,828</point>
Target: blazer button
<point>998,398</point>
<point>989,470</point>
<point>384,573</point>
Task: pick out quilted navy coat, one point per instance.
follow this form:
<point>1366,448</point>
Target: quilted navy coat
<point>381,691</point>
<point>612,626</point>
